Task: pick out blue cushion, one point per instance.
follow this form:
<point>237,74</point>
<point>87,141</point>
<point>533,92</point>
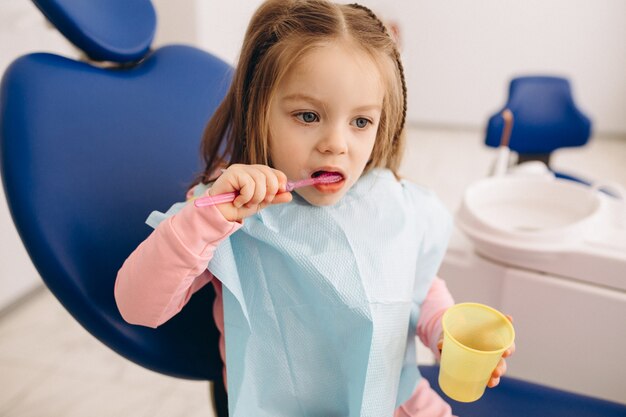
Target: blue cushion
<point>545,117</point>
<point>106,30</point>
<point>86,154</point>
<point>516,398</point>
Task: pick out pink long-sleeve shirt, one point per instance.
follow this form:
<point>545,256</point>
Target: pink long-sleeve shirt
<point>161,275</point>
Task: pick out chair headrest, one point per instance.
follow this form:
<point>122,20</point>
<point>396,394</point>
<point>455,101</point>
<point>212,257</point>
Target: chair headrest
<point>105,30</point>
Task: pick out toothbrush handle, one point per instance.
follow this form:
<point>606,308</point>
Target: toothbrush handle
<point>215,200</point>
<point>230,197</point>
<point>291,185</point>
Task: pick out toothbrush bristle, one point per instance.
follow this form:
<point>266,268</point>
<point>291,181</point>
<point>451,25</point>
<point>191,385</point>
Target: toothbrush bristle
<point>328,178</point>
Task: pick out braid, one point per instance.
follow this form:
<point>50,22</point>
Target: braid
<point>396,138</point>
<point>371,14</point>
<point>404,89</point>
<point>396,55</point>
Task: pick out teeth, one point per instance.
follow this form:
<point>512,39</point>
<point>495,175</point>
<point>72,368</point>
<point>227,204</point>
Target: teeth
<point>319,173</point>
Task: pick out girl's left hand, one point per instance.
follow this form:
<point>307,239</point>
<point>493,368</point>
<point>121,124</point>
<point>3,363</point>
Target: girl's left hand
<point>500,368</point>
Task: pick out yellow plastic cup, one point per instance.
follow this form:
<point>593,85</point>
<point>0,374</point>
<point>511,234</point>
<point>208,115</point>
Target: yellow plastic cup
<point>474,338</point>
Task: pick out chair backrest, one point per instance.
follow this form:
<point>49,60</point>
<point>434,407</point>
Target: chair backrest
<point>87,152</point>
<point>545,117</point>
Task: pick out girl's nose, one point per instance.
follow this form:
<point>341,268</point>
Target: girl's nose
<point>333,141</point>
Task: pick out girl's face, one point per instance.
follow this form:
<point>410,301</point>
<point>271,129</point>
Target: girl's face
<point>324,118</point>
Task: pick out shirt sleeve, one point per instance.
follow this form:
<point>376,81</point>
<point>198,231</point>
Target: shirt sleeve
<point>437,301</point>
<point>165,270</point>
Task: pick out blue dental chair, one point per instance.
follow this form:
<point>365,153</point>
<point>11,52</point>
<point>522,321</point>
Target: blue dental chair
<point>545,119</point>
<point>89,149</point>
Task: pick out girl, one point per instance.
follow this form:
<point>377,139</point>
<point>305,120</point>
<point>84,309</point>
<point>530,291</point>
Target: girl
<point>319,300</point>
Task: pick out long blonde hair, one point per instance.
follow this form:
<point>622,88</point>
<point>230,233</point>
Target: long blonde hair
<point>280,33</point>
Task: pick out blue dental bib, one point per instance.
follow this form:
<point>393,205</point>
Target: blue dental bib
<point>321,303</point>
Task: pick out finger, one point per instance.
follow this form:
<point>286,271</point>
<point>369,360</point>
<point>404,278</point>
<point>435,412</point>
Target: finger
<point>271,183</point>
<point>281,198</point>
<point>245,185</point>
<point>260,187</point>
<point>271,188</point>
<point>282,180</point>
<point>493,382</point>
<point>227,181</point>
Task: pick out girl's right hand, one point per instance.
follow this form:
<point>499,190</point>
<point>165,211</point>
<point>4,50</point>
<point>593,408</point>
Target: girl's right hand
<point>258,186</point>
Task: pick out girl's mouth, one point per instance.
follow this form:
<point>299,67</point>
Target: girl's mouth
<point>330,187</point>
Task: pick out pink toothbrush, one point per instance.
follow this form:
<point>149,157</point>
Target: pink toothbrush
<point>325,178</point>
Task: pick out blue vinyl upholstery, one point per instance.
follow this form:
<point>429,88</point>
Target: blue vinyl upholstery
<point>545,117</point>
<point>86,154</point>
<point>105,30</point>
<point>517,398</point>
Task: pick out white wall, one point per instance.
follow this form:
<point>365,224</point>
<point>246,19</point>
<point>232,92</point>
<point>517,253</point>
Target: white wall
<point>221,27</point>
<point>176,22</point>
<point>460,55</point>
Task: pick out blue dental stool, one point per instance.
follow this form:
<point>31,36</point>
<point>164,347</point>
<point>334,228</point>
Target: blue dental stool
<point>546,118</point>
<point>89,148</point>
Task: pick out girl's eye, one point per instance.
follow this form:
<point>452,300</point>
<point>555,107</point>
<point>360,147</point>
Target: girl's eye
<point>307,117</point>
<point>361,122</point>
